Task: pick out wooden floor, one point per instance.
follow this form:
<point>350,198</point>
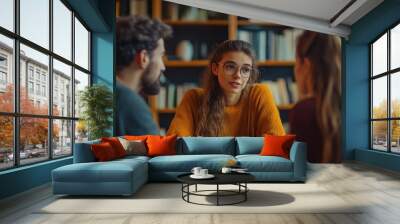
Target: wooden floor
<point>378,188</point>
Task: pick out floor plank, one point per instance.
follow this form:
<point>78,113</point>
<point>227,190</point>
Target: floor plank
<point>376,189</point>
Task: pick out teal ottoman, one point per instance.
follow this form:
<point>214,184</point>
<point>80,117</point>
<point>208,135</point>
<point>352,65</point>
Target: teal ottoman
<point>118,177</point>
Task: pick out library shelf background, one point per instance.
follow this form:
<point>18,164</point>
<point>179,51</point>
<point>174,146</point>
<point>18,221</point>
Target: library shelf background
<point>196,33</point>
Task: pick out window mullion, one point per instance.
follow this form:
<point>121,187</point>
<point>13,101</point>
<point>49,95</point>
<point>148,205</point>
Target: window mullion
<point>371,89</point>
<point>73,83</point>
<point>50,87</point>
<point>389,106</point>
<point>18,79</point>
<point>16,70</point>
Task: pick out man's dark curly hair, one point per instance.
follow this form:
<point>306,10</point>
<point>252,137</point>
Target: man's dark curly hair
<point>135,33</point>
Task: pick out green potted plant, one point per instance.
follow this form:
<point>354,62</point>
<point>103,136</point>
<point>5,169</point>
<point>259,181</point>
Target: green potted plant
<point>96,103</point>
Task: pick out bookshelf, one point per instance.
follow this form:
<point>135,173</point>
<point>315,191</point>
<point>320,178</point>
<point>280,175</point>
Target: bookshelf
<point>196,23</point>
<point>204,63</point>
<point>204,30</point>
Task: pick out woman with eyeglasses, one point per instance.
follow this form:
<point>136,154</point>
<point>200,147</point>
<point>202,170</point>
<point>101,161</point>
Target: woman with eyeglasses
<point>230,104</point>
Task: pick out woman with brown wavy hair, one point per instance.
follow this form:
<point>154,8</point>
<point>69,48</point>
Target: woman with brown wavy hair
<point>315,119</point>
<point>230,104</point>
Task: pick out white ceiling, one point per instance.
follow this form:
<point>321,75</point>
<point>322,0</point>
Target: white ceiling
<point>315,15</point>
<point>321,9</point>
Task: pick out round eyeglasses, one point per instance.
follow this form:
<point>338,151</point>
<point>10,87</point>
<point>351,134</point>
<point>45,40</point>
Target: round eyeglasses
<point>230,68</point>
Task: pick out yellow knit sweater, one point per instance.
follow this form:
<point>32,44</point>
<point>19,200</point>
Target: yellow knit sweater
<point>254,115</point>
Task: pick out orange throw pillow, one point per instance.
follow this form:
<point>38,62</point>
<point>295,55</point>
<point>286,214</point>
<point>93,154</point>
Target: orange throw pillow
<point>277,145</point>
<point>135,137</point>
<point>103,152</point>
<point>161,145</point>
<point>116,145</point>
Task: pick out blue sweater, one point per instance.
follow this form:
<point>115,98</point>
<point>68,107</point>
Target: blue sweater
<point>133,114</point>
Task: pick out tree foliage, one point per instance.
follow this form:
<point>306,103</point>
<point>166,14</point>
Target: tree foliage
<point>380,127</point>
<point>33,131</point>
<point>96,102</point>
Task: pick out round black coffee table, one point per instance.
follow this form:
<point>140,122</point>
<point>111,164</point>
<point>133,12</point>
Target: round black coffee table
<point>238,179</point>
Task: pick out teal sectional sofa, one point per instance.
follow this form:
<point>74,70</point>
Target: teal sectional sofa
<point>125,176</point>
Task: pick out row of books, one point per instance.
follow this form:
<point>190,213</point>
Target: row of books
<point>283,90</point>
<point>271,44</point>
<point>172,11</point>
<point>171,95</point>
<point>138,7</point>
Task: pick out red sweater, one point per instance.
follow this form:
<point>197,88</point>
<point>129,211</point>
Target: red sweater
<point>303,123</point>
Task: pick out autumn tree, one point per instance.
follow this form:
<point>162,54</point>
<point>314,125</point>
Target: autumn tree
<point>33,131</point>
<point>6,122</point>
<point>380,127</point>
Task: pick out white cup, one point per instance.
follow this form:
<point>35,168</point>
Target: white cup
<point>196,171</point>
<point>226,170</point>
<point>203,172</point>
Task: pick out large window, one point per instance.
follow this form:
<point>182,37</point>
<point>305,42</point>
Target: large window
<point>42,55</point>
<point>385,91</point>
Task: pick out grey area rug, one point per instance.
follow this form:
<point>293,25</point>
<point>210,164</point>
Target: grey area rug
<point>166,198</point>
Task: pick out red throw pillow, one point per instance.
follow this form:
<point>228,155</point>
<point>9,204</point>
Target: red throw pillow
<point>103,152</point>
<point>277,145</point>
<point>116,145</point>
<point>161,145</point>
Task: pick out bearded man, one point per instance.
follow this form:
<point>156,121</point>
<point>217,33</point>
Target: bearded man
<point>139,52</point>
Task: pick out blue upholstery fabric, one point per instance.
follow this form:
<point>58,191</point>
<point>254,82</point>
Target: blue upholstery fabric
<point>126,175</point>
<point>207,145</point>
<point>128,159</point>
<point>249,145</point>
<point>257,163</point>
<point>184,163</point>
<point>298,154</point>
<point>83,152</point>
<point>119,177</point>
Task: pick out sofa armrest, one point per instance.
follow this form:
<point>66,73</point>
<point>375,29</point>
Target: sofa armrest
<point>83,152</point>
<point>298,155</point>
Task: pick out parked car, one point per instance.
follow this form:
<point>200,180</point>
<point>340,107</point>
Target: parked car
<point>57,152</point>
<point>10,157</point>
<point>22,155</point>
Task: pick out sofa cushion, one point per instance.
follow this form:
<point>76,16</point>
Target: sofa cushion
<point>277,145</point>
<point>185,163</point>
<point>134,147</point>
<point>103,152</point>
<point>257,163</point>
<point>112,171</point>
<point>132,158</point>
<point>161,145</point>
<point>83,152</point>
<point>136,137</point>
<point>206,145</point>
<point>116,145</point>
<point>249,145</point>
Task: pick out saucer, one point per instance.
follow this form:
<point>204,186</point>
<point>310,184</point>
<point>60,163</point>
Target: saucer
<point>208,176</point>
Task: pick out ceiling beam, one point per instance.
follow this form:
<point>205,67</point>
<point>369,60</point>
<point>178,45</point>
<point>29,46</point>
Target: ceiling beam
<point>346,12</point>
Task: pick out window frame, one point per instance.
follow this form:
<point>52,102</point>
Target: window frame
<point>388,74</point>
<point>16,115</point>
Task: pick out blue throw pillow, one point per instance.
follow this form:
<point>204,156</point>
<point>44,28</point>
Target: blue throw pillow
<point>249,145</point>
<point>207,145</point>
